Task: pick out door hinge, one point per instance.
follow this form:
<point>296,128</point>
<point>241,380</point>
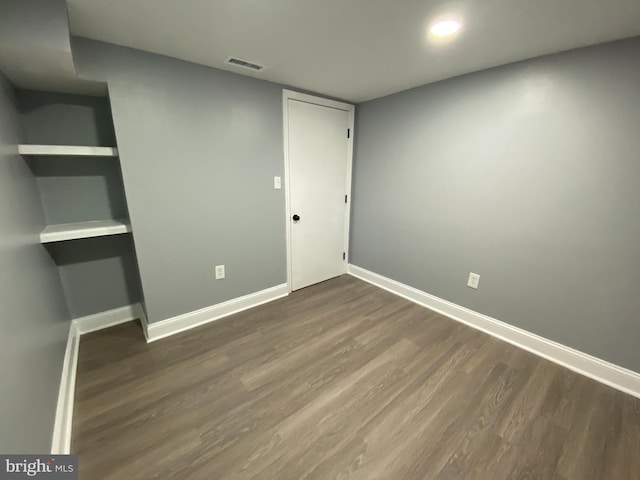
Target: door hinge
<point>344,256</point>
<point>345,199</point>
<point>348,133</point>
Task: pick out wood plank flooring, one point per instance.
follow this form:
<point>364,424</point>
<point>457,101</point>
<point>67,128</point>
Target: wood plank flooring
<point>341,380</point>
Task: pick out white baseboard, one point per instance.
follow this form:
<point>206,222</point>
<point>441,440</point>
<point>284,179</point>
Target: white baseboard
<point>98,321</point>
<point>612,375</point>
<point>61,442</point>
<point>142,315</point>
<point>171,326</point>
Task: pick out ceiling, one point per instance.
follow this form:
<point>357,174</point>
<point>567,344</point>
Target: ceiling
<point>353,49</point>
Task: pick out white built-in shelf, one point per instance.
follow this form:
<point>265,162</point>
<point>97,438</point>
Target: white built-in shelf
<point>72,231</point>
<point>67,150</point>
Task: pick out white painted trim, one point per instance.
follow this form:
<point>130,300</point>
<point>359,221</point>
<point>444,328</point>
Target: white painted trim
<point>187,321</point>
<point>142,315</point>
<point>347,218</point>
<point>604,372</point>
<point>287,184</point>
<point>94,228</point>
<point>98,321</point>
<point>63,423</point>
<point>61,441</point>
<point>324,102</point>
<point>350,109</point>
<point>67,150</point>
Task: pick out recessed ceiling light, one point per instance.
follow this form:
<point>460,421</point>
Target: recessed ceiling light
<point>445,28</point>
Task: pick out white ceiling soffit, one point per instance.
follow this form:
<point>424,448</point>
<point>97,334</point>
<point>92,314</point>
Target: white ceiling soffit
<point>35,51</point>
<point>32,68</point>
<point>353,49</point>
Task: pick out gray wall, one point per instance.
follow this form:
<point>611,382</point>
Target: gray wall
<point>34,321</point>
<point>527,174</point>
<point>35,49</point>
<point>59,119</point>
<point>35,23</point>
<point>63,119</point>
<point>199,148</point>
<point>97,274</point>
<point>77,189</point>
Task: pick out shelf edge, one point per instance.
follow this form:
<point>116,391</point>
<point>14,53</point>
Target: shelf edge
<point>67,150</point>
<point>78,232</point>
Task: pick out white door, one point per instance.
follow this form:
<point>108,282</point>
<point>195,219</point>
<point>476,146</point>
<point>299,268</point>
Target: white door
<point>319,165</point>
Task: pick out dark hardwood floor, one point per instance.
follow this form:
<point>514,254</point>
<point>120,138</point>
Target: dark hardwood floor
<point>341,380</point>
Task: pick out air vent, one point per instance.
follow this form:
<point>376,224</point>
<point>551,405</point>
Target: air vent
<point>244,64</point>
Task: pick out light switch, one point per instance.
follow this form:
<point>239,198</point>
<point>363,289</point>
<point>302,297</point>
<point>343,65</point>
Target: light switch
<point>219,272</point>
<point>474,280</point>
<point>277,183</point>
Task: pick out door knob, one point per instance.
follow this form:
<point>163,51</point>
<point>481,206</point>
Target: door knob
<point>296,218</point>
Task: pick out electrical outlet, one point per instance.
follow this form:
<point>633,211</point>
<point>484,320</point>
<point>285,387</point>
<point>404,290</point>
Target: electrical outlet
<point>474,280</point>
<point>219,272</point>
<point>277,183</point>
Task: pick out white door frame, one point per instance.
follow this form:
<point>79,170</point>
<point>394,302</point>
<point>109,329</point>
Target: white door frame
<point>350,109</point>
